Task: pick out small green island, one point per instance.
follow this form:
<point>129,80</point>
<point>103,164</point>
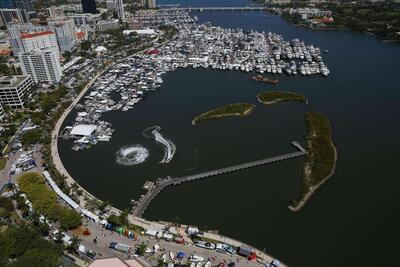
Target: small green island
<point>238,109</point>
<point>320,163</point>
<point>271,97</point>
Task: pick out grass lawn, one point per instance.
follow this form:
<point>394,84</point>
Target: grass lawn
<point>3,162</point>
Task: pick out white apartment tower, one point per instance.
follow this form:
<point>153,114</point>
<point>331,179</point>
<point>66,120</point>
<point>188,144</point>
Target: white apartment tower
<point>40,57</point>
<point>65,33</point>
<point>42,66</point>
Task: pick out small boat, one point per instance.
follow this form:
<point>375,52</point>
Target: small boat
<point>196,258</point>
<point>171,255</point>
<point>260,78</point>
<point>326,51</point>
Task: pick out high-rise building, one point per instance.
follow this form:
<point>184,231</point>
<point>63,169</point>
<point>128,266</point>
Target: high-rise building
<point>15,30</point>
<point>13,15</point>
<point>40,57</point>
<point>22,4</point>
<point>39,41</point>
<point>42,66</point>
<point>89,6</point>
<point>65,33</point>
<point>15,90</point>
<point>119,6</point>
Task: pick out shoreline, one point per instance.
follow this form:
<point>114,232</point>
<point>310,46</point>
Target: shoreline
<point>139,221</point>
<point>314,189</point>
<point>277,100</point>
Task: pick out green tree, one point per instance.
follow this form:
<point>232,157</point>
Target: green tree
<point>73,247</point>
<point>142,249</point>
<point>31,137</point>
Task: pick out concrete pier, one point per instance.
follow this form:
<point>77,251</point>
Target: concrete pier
<point>163,183</point>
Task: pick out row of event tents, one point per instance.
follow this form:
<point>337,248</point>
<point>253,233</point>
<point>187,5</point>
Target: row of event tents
<point>160,234</point>
<point>68,200</point>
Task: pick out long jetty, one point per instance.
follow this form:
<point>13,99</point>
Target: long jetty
<point>212,9</point>
<point>161,184</point>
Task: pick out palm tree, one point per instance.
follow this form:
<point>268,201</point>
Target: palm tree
<point>73,247</point>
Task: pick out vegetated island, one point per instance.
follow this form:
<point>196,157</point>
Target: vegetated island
<point>320,163</point>
<point>271,97</point>
<point>238,109</point>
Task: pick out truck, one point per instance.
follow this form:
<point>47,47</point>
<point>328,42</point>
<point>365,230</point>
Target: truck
<point>120,247</point>
<point>243,251</point>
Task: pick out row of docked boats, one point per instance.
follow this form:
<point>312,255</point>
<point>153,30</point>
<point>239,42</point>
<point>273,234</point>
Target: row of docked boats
<point>194,46</point>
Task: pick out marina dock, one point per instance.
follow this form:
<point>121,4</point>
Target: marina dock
<point>161,184</point>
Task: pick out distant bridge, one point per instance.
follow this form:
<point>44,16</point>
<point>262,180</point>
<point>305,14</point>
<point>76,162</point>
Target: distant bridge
<point>205,9</point>
<point>163,183</point>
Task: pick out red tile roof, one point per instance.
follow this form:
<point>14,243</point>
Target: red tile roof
<point>27,35</point>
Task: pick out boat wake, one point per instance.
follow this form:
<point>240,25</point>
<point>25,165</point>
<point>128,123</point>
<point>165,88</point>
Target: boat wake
<point>131,155</point>
<point>169,146</point>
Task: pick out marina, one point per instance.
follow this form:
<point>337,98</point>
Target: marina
<point>194,46</point>
<point>252,205</point>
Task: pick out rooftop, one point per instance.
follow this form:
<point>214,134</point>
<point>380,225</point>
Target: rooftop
<point>115,262</point>
<point>27,35</point>
<point>83,129</point>
<point>11,81</point>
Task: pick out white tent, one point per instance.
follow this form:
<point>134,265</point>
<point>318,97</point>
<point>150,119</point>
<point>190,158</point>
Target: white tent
<point>150,232</point>
<point>83,130</point>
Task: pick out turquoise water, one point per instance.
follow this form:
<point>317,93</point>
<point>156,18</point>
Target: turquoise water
<point>353,219</point>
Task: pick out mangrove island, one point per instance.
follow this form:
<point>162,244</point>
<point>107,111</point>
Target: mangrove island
<point>320,162</point>
<point>238,109</point>
<point>272,97</point>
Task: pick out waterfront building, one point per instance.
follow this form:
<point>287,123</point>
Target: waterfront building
<point>278,2</point>
<point>39,56</point>
<point>39,41</point>
<point>15,90</point>
<point>85,19</point>
<point>13,15</point>
<point>42,66</point>
<point>89,6</point>
<point>16,29</point>
<point>105,25</point>
<point>55,11</point>
<point>119,6</point>
<point>71,8</point>
<point>65,32</point>
<point>310,12</point>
